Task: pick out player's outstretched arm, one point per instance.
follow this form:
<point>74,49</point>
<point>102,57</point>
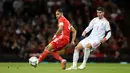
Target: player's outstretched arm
<point>73,35</point>
<point>90,26</point>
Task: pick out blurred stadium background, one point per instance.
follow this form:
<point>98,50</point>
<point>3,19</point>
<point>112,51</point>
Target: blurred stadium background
<point>26,27</point>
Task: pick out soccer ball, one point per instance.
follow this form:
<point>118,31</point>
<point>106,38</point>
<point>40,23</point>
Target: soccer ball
<point>33,61</point>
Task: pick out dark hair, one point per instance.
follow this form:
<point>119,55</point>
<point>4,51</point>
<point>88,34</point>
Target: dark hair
<point>101,9</point>
<point>60,10</point>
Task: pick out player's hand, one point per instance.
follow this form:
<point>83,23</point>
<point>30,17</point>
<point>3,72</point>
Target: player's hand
<point>83,34</point>
<point>103,40</point>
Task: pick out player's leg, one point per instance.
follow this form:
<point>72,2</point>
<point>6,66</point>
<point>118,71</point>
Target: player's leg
<point>44,54</point>
<point>58,57</point>
<point>86,55</point>
<point>90,46</point>
<point>46,51</point>
<point>75,56</point>
<point>60,44</point>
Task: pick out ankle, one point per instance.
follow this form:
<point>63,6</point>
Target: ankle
<point>63,60</point>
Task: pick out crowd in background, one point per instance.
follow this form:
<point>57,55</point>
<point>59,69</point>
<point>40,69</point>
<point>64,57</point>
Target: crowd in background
<point>27,26</point>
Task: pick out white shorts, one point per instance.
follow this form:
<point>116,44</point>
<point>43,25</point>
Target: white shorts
<point>94,42</point>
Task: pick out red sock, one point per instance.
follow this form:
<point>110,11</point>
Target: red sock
<point>57,56</point>
<point>43,55</point>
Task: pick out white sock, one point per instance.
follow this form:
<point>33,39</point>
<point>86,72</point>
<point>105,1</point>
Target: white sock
<point>86,55</point>
<point>75,57</point>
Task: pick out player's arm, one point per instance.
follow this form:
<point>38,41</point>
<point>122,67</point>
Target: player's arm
<point>60,28</point>
<point>73,30</point>
<point>90,26</point>
<point>108,30</point>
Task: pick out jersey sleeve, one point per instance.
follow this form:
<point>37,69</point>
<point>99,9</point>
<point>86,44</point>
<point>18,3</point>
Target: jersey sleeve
<point>60,22</point>
<point>90,26</point>
<point>108,30</point>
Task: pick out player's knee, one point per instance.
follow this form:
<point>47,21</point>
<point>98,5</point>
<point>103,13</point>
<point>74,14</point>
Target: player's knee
<point>88,46</point>
<point>48,48</point>
<point>76,48</point>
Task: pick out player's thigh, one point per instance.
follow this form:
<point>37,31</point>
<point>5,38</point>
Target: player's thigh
<point>88,45</point>
<point>59,43</point>
<point>95,43</point>
<point>49,47</point>
<point>85,43</point>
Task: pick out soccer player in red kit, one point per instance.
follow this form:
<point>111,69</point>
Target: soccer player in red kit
<point>60,39</point>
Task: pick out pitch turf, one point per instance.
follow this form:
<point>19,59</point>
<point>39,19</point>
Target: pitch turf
<point>56,68</point>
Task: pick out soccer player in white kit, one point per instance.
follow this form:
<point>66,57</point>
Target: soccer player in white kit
<point>100,26</point>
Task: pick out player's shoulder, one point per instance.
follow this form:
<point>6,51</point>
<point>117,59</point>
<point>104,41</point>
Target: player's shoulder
<point>62,18</point>
<point>105,20</point>
<point>95,18</point>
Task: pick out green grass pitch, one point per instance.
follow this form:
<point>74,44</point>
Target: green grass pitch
<point>56,68</point>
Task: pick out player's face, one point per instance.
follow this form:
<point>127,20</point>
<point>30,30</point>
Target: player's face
<point>100,14</point>
<point>58,14</point>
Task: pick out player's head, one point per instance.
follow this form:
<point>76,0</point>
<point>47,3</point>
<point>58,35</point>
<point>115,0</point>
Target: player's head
<point>100,12</point>
<point>59,13</point>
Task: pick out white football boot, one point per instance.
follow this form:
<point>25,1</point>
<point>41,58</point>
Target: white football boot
<point>72,68</point>
<point>82,66</point>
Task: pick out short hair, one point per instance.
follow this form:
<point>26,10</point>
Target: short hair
<point>60,10</point>
<point>101,9</point>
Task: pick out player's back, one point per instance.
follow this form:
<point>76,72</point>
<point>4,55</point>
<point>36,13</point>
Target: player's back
<point>66,26</point>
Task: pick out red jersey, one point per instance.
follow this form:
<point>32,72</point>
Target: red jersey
<point>66,26</point>
<point>63,38</point>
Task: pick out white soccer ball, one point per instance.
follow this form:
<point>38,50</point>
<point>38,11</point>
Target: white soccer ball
<point>33,61</point>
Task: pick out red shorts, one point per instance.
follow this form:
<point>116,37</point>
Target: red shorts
<point>60,42</point>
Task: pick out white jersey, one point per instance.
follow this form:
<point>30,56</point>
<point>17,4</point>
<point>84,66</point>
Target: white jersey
<point>99,27</point>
